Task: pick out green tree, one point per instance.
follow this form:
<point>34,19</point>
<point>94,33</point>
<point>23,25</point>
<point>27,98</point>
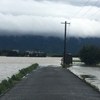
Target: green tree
<point>90,55</point>
<point>12,53</point>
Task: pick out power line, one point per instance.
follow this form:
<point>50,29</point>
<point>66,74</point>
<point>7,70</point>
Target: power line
<point>94,13</point>
<point>90,8</point>
<point>81,8</point>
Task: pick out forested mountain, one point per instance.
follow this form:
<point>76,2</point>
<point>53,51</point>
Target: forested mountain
<point>51,45</point>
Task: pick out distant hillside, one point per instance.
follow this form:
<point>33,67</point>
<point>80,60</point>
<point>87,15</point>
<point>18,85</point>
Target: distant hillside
<point>23,43</point>
<point>46,44</point>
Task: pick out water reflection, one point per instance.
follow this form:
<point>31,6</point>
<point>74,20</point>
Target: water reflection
<point>11,65</point>
<point>90,73</point>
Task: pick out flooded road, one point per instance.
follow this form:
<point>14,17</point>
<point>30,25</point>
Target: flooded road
<point>11,65</point>
<point>90,73</point>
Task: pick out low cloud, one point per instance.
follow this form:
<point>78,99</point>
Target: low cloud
<point>40,17</point>
<point>76,2</point>
<point>85,28</point>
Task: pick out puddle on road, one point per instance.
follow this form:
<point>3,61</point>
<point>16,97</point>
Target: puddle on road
<point>88,76</point>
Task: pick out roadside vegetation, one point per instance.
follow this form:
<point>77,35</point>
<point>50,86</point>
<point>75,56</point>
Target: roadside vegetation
<point>89,76</point>
<point>90,55</point>
<point>77,60</point>
<point>6,84</point>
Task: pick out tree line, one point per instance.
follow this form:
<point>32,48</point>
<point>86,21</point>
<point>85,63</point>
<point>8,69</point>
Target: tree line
<point>21,54</point>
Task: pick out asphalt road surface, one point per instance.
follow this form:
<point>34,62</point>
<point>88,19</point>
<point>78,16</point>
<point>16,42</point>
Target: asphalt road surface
<point>51,83</point>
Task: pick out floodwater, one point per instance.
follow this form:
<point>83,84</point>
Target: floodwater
<point>91,73</point>
<point>11,65</point>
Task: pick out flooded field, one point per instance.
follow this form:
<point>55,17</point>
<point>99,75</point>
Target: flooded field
<point>90,73</point>
<point>11,65</point>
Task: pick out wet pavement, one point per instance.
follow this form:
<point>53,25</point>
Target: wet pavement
<point>90,73</point>
<point>51,83</point>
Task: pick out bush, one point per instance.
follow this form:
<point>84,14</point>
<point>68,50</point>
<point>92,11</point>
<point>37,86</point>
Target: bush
<point>13,77</point>
<point>10,81</point>
<point>23,72</point>
<point>2,88</point>
<point>5,83</point>
<point>90,55</point>
<point>19,76</point>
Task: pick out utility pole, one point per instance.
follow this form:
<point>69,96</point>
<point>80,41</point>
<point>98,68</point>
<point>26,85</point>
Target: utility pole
<point>64,56</point>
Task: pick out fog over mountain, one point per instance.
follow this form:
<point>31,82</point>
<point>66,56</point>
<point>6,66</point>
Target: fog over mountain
<point>32,24</point>
<point>50,45</point>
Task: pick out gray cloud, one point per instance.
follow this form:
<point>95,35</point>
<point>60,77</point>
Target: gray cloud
<point>75,2</point>
<point>44,18</point>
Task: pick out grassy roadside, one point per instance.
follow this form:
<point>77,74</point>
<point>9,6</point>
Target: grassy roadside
<point>76,60</point>
<point>83,78</point>
<point>6,84</point>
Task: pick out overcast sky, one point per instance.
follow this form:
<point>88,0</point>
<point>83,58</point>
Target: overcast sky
<point>44,17</point>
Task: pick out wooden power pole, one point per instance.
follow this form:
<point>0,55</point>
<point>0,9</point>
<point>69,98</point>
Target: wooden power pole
<point>64,56</point>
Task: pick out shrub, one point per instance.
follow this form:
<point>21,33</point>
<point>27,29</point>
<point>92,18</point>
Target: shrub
<point>10,81</point>
<point>5,83</point>
<point>2,88</point>
<point>13,77</point>
<point>19,76</point>
<point>90,55</point>
<point>23,72</point>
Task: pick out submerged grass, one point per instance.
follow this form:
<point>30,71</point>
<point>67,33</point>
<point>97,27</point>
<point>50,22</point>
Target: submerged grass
<point>83,77</point>
<point>6,84</point>
<point>77,60</point>
<point>65,65</point>
<point>89,76</point>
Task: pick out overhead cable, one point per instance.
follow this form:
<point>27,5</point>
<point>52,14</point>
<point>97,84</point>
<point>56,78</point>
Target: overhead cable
<point>90,8</point>
<point>81,8</point>
<point>94,13</point>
